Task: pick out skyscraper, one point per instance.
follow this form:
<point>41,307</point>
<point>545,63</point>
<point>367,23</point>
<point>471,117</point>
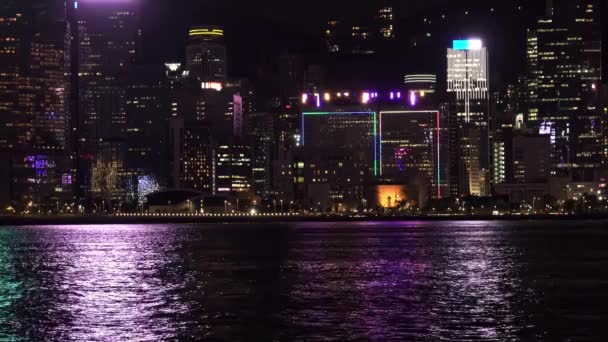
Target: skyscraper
<point>260,129</point>
<point>339,156</point>
<point>206,53</point>
<point>411,151</point>
<point>386,22</point>
<point>33,108</point>
<point>564,58</point>
<point>468,86</point>
<point>109,39</point>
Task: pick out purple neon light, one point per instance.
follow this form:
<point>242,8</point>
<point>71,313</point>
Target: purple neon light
<point>392,95</point>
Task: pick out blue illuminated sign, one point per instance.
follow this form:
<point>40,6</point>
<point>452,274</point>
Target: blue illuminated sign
<point>468,44</point>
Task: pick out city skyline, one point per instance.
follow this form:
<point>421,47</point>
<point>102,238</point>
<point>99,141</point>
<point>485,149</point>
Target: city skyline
<point>386,102</point>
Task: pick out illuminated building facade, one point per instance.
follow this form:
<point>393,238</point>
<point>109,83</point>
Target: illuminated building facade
<point>109,38</point>
<point>412,152</point>
<point>468,86</point>
<point>147,108</point>
<point>191,156</point>
<point>260,132</point>
<point>362,40</point>
<point>339,155</point>
<point>386,22</point>
<point>334,36</point>
<point>531,165</point>
<point>564,58</point>
<point>233,169</point>
<point>287,138</point>
<point>33,95</point>
<point>206,53</point>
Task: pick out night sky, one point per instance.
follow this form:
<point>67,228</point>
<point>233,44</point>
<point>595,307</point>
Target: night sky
<point>258,31</point>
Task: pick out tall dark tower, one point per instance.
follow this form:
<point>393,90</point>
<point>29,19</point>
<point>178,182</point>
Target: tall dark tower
<point>74,105</point>
<point>206,53</point>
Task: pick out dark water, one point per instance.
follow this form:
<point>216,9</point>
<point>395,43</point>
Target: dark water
<point>426,281</point>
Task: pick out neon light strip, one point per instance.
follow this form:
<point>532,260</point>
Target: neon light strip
<point>205,34</point>
<point>438,156</point>
<point>438,139</point>
<point>375,144</point>
<point>207,30</point>
<point>375,129</point>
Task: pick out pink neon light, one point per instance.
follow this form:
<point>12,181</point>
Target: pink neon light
<point>413,98</point>
<point>398,94</point>
<point>392,95</point>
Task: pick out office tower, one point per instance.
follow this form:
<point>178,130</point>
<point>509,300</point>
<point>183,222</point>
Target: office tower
<point>564,58</point>
<point>507,118</point>
<point>386,22</point>
<point>191,156</point>
<point>206,53</point>
<point>412,153</point>
<point>147,112</point>
<point>287,138</point>
<point>362,40</point>
<point>233,169</point>
<point>335,36</point>
<point>32,104</point>
<point>12,130</point>
<point>339,156</point>
<point>260,130</point>
<point>291,77</point>
<point>467,86</point>
<point>108,37</point>
<point>531,157</point>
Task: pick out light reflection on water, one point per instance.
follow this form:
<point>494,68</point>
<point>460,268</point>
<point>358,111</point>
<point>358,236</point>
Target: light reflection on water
<point>307,281</point>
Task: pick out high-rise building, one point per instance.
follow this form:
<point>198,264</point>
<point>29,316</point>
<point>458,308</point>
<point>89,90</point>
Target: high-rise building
<point>412,153</point>
<point>191,156</point>
<point>260,130</point>
<point>339,156</point>
<point>335,36</point>
<point>33,93</point>
<point>291,77</point>
<point>108,37</point>
<point>147,112</point>
<point>386,22</point>
<point>468,87</point>
<point>206,53</point>
<point>233,169</point>
<point>531,158</point>
<point>362,40</point>
<point>564,59</point>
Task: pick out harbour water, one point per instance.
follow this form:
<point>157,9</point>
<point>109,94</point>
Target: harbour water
<point>406,281</point>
